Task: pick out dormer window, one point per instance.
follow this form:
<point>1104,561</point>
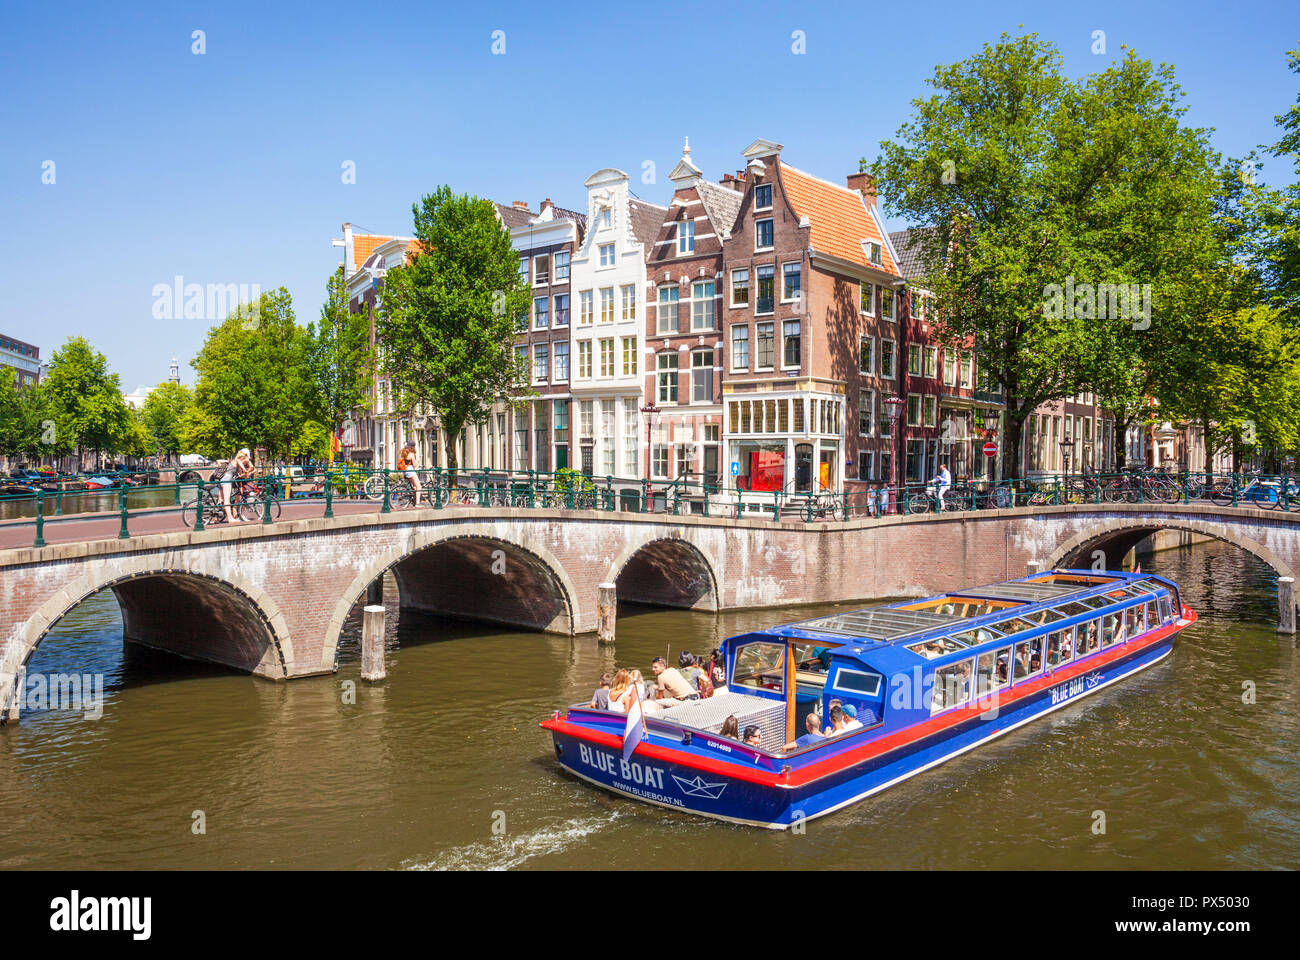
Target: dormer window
<point>686,237</point>
<point>763,196</point>
<point>873,253</point>
<point>606,218</point>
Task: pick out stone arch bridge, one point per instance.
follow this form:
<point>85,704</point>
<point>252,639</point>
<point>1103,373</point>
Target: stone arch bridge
<point>272,600</point>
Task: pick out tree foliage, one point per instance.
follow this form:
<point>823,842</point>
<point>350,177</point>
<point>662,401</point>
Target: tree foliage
<point>339,358</point>
<point>84,401</point>
<point>447,318</point>
<point>163,412</point>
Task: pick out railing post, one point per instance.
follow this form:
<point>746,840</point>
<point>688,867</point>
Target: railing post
<point>58,502</point>
<point>1234,489</point>
<point>198,504</point>
<point>388,506</point>
<point>177,500</point>
<point>776,504</point>
<point>808,511</point>
<point>40,519</point>
<point>329,496</point>
<point>677,497</point>
<point>645,495</point>
<point>266,503</point>
<point>123,534</point>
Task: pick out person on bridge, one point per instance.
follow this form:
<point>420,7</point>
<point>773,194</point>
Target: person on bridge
<point>239,468</point>
<point>941,484</point>
<point>406,463</point>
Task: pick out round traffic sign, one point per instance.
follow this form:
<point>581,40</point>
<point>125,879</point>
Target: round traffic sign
<point>990,449</point>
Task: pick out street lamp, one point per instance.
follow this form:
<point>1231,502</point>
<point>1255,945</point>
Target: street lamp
<point>894,410</point>
<point>1067,448</point>
<point>649,410</point>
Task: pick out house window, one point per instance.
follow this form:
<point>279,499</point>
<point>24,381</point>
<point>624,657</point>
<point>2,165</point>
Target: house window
<point>541,270</point>
<point>702,376</point>
<point>766,282</point>
<point>918,306</point>
<point>913,360</point>
<point>628,293</point>
<point>686,237</point>
<point>950,368</point>
<point>968,370</point>
<point>521,361</point>
<point>629,356</point>
<point>561,407</point>
<point>540,319</point>
<point>561,267</point>
<point>668,378</point>
<point>866,412</point>
<point>864,465</point>
<point>932,362</point>
<point>607,305</point>
<point>606,219</point>
<point>702,306</point>
<point>887,303</point>
<point>666,317</point>
<point>585,309</point>
<point>791,341</point>
<point>866,356</point>
<point>887,348</point>
<point>790,281</point>
<point>739,288</point>
<point>584,359</point>
<point>606,254</point>
<point>523,268</point>
<point>740,347</point>
<point>607,357</point>
<point>763,235</point>
<point>766,333</point>
<point>586,411</point>
<point>913,409</point>
<point>867,299</point>
<point>873,253</point>
<point>931,412</point>
<point>763,196</point>
<point>660,460</point>
<point>561,359</point>
<point>541,363</point>
<point>562,310</point>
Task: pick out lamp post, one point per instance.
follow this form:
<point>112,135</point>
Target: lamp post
<point>894,410</point>
<point>650,409</point>
<point>1067,448</point>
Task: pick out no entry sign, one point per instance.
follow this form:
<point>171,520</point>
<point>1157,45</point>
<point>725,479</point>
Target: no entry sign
<point>990,449</point>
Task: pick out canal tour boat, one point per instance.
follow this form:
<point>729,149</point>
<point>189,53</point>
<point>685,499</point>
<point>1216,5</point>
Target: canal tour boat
<point>929,679</point>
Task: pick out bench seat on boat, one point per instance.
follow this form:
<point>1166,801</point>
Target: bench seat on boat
<point>710,713</point>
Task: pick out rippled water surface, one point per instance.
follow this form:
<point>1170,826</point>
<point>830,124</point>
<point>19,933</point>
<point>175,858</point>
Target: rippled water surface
<point>418,770</point>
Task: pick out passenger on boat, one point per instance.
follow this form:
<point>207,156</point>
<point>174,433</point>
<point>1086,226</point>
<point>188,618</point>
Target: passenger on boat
<point>730,728</point>
<point>836,715</point>
<point>670,686</point>
<point>620,692</point>
<point>851,721</point>
<point>810,723</point>
<point>718,671</point>
<point>1002,669</point>
<point>600,699</point>
<point>697,678</point>
<point>753,736</point>
<point>647,692</point>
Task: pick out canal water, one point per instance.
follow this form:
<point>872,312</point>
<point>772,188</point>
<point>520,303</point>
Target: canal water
<point>194,766</point>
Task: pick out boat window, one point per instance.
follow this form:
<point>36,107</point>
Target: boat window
<point>1133,621</point>
<point>1014,625</point>
<point>1087,638</point>
<point>1029,658</point>
<point>1060,646</point>
<point>760,665</point>
<point>1134,590</point>
<point>812,657</point>
<point>858,682</point>
<point>1166,610</point>
<point>1112,629</point>
<point>952,686</point>
<point>992,671</point>
<point>1074,609</point>
<point>937,647</point>
<point>977,636</point>
<point>1095,602</point>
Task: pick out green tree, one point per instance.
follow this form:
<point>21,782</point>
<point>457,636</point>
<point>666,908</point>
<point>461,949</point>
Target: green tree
<point>447,318</point>
<point>163,412</point>
<point>85,400</point>
<point>1041,189</point>
<point>253,384</point>
<point>339,358</point>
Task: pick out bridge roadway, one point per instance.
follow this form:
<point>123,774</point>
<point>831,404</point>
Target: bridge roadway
<point>272,599</point>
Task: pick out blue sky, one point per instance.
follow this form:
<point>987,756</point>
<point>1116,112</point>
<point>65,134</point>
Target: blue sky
<point>226,167</point>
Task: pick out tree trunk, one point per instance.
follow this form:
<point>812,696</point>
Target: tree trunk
<point>1011,465</point>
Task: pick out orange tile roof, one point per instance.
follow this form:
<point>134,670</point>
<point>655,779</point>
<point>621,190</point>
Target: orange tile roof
<point>363,245</point>
<point>840,219</point>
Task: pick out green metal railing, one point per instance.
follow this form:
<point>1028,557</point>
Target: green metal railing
<point>200,504</point>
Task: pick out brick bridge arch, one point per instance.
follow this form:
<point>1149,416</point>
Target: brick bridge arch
<point>1117,536</point>
<point>667,571</point>
<point>526,584</point>
<point>193,613</point>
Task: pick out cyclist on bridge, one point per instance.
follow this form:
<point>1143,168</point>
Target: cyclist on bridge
<point>406,463</point>
<point>239,468</point>
<point>941,484</point>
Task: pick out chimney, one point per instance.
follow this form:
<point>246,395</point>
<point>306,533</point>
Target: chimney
<point>864,184</point>
<point>349,259</point>
<point>546,204</point>
<point>520,204</point>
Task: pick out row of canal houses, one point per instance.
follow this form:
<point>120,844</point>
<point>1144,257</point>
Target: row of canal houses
<point>747,333</point>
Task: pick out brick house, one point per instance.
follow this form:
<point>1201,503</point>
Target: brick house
<point>685,327</point>
<point>810,311</point>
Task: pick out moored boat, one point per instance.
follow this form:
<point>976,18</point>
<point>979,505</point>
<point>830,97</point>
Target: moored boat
<point>926,679</point>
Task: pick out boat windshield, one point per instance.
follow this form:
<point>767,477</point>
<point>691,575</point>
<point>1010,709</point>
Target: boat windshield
<point>760,664</point>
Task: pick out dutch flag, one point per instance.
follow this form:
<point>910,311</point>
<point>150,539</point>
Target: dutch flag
<point>634,729</point>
